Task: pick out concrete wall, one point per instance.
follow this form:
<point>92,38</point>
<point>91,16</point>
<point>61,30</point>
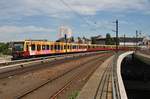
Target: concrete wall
<point>120,81</point>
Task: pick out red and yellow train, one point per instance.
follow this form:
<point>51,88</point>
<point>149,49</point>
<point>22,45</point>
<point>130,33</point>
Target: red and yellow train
<point>30,48</point>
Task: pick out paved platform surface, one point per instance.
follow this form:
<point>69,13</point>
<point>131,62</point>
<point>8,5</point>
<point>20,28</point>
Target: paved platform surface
<point>143,57</point>
<point>5,58</point>
<point>144,53</point>
<point>99,84</point>
<point>147,52</point>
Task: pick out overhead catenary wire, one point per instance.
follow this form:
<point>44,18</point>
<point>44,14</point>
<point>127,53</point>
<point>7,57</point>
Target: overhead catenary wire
<point>81,17</point>
<point>74,11</point>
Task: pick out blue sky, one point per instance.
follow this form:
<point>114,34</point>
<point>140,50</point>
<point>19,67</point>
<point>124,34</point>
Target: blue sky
<point>41,19</point>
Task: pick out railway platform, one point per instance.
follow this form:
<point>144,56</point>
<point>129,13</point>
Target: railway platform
<point>4,59</point>
<point>145,57</point>
<point>99,85</point>
<point>106,82</point>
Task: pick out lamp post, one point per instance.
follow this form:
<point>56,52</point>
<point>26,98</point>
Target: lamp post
<point>66,42</point>
<point>136,39</point>
<point>124,40</point>
<point>117,40</point>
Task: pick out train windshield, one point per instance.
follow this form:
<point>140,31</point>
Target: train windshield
<point>18,46</point>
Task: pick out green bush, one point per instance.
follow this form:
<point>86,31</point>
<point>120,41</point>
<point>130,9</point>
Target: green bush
<point>74,95</point>
<point>4,48</point>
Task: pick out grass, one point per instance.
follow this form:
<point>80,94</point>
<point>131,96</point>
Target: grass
<point>74,95</point>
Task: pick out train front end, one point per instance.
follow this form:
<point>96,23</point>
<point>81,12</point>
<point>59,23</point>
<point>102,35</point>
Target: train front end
<point>19,51</point>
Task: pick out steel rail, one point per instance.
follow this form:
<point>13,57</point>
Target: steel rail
<point>50,80</point>
<point>103,84</point>
<point>43,58</point>
<point>70,82</point>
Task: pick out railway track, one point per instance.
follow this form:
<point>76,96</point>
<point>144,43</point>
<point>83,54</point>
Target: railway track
<point>13,62</point>
<point>76,74</point>
<point>76,77</point>
<point>21,68</point>
<point>102,90</point>
<point>99,86</point>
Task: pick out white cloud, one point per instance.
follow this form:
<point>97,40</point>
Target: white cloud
<point>25,29</point>
<point>56,7</point>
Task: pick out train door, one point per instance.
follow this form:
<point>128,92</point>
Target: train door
<point>27,48</point>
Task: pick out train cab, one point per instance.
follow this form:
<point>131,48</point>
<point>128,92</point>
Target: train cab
<point>20,49</point>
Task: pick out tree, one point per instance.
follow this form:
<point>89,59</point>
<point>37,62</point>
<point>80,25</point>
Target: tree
<point>116,40</point>
<point>93,40</point>
<point>4,48</point>
<point>72,39</point>
<point>113,41</point>
<point>108,39</point>
<point>79,40</point>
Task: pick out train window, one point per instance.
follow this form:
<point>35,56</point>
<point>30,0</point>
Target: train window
<point>68,47</point>
<point>38,47</point>
<point>33,47</point>
<point>83,47</point>
<point>75,46</point>
<point>43,47</point>
<point>27,48</point>
<point>58,47</point>
<point>52,47</point>
<point>55,47</point>
<point>47,47</point>
<point>64,46</point>
<point>61,47</point>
